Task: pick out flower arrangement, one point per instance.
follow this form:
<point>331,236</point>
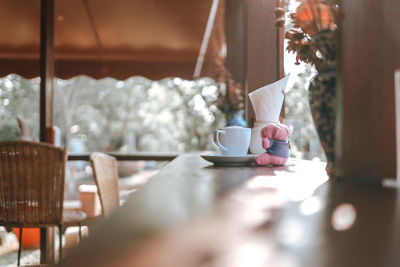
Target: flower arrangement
<point>310,18</point>
<point>230,99</point>
<point>312,37</point>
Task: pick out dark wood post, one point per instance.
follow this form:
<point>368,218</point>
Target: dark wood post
<point>264,49</point>
<point>46,104</point>
<point>46,66</point>
<point>370,53</point>
<point>235,28</point>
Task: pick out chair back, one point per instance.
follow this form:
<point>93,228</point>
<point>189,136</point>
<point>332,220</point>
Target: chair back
<point>105,174</point>
<point>31,184</point>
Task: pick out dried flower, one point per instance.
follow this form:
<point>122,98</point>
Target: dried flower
<point>279,12</point>
<point>280,22</point>
<point>310,17</point>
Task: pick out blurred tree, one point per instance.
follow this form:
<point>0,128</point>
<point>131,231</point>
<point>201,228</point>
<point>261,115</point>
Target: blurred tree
<point>9,131</point>
<point>167,115</point>
<point>18,97</point>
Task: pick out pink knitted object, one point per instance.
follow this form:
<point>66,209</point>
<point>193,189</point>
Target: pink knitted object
<point>275,131</point>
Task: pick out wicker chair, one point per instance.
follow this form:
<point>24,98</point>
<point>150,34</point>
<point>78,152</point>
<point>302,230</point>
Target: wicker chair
<point>32,178</point>
<point>106,177</point>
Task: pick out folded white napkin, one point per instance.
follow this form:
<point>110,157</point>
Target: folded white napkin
<point>267,101</point>
<point>267,104</point>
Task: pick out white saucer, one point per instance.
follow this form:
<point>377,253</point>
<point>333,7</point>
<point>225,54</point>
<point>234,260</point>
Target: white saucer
<point>229,160</point>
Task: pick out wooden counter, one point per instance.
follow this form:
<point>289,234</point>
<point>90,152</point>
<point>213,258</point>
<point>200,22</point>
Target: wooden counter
<point>195,214</point>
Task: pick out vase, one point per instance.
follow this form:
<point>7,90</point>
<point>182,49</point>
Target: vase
<point>322,96</point>
<point>236,119</point>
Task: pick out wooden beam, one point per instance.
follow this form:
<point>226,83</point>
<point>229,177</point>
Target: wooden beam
<point>46,104</point>
<point>397,110</point>
<point>370,41</point>
<point>121,70</point>
<point>206,38</point>
<point>235,28</point>
<point>263,48</point>
<point>46,66</point>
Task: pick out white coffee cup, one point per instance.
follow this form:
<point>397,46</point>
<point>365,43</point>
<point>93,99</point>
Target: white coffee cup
<point>233,140</point>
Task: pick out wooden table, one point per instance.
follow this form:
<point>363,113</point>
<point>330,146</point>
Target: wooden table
<point>195,214</point>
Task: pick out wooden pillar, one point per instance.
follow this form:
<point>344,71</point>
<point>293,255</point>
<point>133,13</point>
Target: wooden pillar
<point>369,55</point>
<point>235,28</point>
<point>46,104</point>
<point>264,49</point>
<point>46,66</point>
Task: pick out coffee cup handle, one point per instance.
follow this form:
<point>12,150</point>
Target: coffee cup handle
<point>217,133</point>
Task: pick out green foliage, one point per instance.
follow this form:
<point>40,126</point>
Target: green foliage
<point>9,131</point>
<point>181,114</point>
<point>167,115</point>
<point>18,97</point>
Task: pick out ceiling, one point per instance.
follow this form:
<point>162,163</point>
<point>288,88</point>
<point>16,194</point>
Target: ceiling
<point>111,38</point>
